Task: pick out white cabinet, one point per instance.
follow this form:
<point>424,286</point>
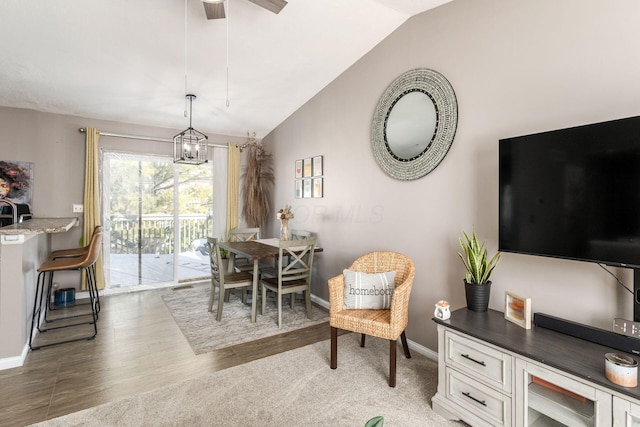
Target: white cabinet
<point>549,398</point>
<point>625,413</point>
<point>522,378</point>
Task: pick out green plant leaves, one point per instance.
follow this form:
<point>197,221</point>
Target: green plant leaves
<point>474,257</point>
<point>375,422</point>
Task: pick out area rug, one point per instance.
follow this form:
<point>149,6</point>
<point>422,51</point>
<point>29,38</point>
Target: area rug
<point>295,388</point>
<point>188,306</point>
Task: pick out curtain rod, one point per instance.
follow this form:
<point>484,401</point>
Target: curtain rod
<point>145,138</point>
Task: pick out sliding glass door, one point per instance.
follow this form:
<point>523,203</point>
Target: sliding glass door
<point>158,216</point>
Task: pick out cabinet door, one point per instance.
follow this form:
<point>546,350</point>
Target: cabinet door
<point>625,413</point>
<point>550,398</point>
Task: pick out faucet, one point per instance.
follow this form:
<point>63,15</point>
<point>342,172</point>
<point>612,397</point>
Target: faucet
<point>14,209</point>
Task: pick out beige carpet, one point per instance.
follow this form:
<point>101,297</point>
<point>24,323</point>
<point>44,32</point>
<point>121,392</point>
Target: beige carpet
<point>296,388</point>
<point>188,306</point>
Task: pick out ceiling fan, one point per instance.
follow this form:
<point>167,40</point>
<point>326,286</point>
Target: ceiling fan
<point>215,8</point>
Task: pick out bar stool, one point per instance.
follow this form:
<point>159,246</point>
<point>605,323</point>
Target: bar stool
<point>75,252</point>
<point>78,252</point>
<point>84,263</point>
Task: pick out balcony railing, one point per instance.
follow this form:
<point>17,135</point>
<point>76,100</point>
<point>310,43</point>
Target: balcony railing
<point>154,234</point>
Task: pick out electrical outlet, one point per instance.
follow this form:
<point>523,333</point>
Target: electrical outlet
<point>626,327</point>
<point>78,208</point>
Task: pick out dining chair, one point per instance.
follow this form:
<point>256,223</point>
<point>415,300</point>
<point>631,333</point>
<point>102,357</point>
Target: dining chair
<point>375,270</point>
<point>295,235</point>
<point>300,234</point>
<point>221,279</point>
<point>243,235</point>
<point>295,263</point>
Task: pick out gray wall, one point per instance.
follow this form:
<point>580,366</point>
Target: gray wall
<point>56,147</point>
<point>517,68</point>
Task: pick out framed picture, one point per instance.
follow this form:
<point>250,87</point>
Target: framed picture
<point>317,187</point>
<point>298,190</point>
<point>299,168</point>
<point>317,166</point>
<point>306,188</point>
<point>517,309</point>
<point>307,167</point>
<point>16,181</point>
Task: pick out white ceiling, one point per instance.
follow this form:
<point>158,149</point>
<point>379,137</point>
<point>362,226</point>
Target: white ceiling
<point>124,60</point>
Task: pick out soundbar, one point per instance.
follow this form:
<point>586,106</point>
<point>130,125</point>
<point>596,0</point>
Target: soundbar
<point>588,333</point>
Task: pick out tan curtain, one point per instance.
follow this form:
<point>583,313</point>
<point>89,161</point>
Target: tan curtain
<point>92,199</point>
<point>233,187</point>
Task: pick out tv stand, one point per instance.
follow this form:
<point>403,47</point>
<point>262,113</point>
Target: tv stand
<point>489,373</point>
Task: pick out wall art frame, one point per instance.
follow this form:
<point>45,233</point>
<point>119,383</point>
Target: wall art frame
<point>298,168</point>
<point>298,189</point>
<point>307,191</point>
<point>317,187</point>
<point>317,166</point>
<point>307,169</point>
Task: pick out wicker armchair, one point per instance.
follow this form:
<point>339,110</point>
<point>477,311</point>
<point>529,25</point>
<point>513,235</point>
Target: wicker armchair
<point>387,324</point>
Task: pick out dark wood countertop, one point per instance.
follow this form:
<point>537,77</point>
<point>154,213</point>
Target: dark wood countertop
<point>575,356</point>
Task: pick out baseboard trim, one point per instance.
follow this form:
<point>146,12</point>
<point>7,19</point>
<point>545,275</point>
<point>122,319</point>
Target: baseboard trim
<point>14,361</point>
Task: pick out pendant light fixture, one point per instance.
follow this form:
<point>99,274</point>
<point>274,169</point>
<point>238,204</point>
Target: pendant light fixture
<point>190,146</point>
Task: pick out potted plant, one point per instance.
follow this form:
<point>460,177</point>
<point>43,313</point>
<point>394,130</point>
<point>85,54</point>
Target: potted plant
<point>479,268</point>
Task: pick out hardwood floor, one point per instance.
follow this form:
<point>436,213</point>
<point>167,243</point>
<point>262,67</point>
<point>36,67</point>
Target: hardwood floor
<point>138,348</point>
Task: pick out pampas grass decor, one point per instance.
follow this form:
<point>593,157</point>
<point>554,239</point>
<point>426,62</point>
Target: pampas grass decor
<point>258,179</point>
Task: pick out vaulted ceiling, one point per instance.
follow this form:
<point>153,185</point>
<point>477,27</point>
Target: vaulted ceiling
<point>133,61</point>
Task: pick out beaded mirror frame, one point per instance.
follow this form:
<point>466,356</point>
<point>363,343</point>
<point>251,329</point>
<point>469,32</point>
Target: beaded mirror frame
<point>440,91</point>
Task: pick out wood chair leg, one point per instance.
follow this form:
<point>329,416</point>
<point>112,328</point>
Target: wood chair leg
<point>392,362</point>
<point>307,300</point>
<point>279,296</point>
<point>405,346</point>
<point>221,298</point>
<point>211,297</point>
<point>362,340</point>
<point>334,347</point>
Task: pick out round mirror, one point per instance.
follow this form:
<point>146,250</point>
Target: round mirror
<point>414,124</point>
<point>411,125</point>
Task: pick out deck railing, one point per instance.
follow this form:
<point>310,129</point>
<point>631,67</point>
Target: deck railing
<point>154,234</point>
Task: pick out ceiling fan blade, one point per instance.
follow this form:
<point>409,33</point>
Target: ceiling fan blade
<point>214,10</point>
<point>274,6</point>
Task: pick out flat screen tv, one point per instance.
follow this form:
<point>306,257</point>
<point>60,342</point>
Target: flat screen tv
<point>573,193</point>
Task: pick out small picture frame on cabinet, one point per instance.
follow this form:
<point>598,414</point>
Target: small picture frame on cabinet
<point>517,309</point>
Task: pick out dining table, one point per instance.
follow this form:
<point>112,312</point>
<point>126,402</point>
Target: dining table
<point>256,250</point>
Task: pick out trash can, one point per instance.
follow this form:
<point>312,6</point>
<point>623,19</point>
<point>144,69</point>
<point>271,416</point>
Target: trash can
<point>63,297</point>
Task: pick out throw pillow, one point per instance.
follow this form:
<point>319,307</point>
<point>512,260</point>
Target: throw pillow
<point>368,290</point>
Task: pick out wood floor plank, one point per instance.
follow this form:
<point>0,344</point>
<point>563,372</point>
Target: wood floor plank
<point>138,348</point>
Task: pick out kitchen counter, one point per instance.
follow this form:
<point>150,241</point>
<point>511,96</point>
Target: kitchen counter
<point>23,247</point>
<point>40,225</point>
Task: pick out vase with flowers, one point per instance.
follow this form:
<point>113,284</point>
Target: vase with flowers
<point>284,215</point>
